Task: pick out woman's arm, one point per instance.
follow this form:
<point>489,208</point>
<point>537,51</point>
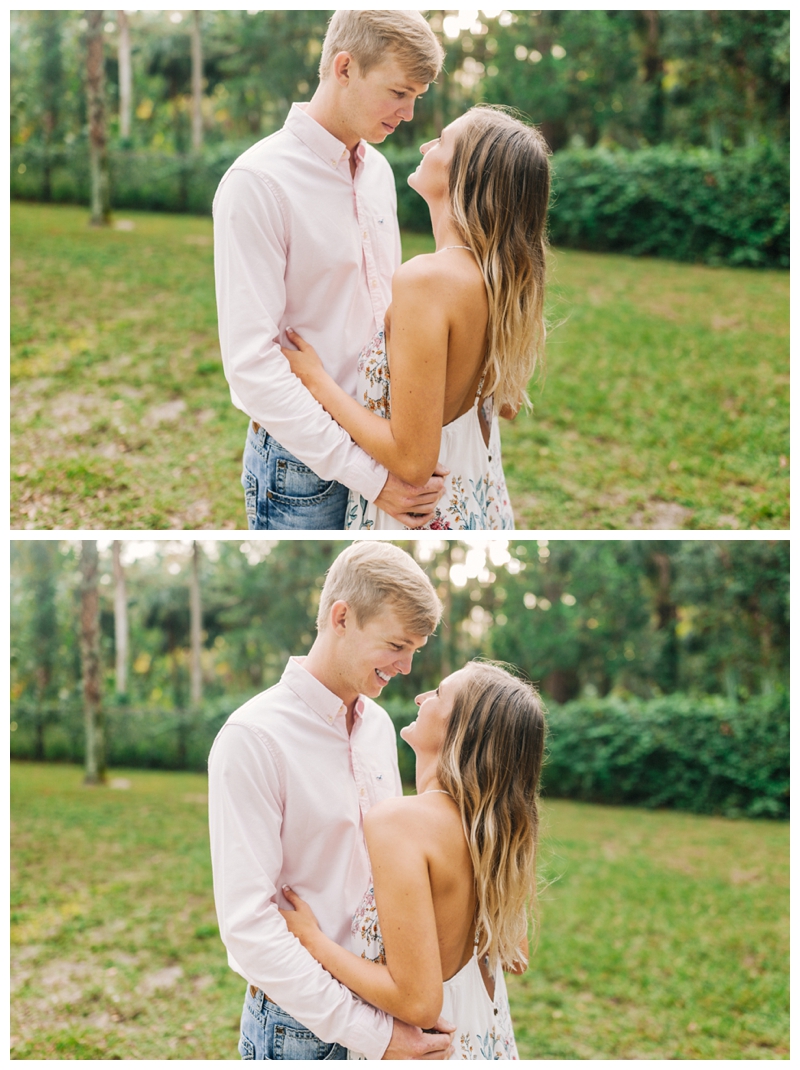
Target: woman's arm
<point>409,987</point>
<point>408,443</point>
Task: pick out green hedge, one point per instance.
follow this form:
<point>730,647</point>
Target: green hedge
<point>686,205</point>
<point>690,205</point>
<point>148,181</point>
<point>136,737</point>
<point>707,756</point>
<point>704,755</point>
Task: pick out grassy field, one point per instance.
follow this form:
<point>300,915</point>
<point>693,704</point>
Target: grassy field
<point>662,935</point>
<point>665,403</point>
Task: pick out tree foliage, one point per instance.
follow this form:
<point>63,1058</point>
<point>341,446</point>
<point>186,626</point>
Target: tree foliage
<point>581,618</point>
<point>712,78</point>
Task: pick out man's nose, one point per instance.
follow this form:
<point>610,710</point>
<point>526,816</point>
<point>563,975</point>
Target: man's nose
<point>403,664</point>
<point>406,110</point>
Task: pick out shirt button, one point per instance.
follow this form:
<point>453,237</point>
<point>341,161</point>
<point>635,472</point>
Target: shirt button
<point>365,234</point>
<point>374,283</point>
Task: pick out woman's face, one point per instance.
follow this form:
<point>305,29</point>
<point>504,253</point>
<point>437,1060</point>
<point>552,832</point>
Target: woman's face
<point>427,733</point>
<point>432,178</point>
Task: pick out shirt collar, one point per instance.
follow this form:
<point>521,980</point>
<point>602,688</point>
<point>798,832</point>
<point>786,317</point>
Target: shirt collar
<point>315,694</point>
<point>321,142</point>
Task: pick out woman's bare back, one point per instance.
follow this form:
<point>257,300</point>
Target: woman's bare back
<point>454,280</point>
<point>451,877</point>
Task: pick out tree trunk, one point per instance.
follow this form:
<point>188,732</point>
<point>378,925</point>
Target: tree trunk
<point>125,76</point>
<point>90,655</point>
<point>446,626</point>
<point>196,627</point>
<point>197,84</point>
<point>653,118</point>
<point>52,88</point>
<point>666,669</point>
<point>95,92</point>
<point>120,621</point>
<point>45,630</point>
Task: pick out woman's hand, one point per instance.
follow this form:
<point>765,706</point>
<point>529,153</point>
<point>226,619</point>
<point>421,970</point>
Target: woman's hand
<point>300,921</point>
<point>304,361</point>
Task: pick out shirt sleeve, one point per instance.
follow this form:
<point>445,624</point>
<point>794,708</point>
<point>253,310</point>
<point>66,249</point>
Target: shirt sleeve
<point>250,252</point>
<point>245,817</point>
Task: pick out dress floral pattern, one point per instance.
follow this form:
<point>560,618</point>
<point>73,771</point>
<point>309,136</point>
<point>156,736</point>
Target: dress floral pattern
<point>483,1025</point>
<point>476,496</point>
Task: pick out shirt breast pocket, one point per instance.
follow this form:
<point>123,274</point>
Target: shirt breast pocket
<point>381,783</point>
<point>384,241</point>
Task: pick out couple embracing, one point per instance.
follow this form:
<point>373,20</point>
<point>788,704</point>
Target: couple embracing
<point>373,390</point>
<point>367,924</point>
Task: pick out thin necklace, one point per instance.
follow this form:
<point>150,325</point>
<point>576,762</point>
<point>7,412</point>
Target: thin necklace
<point>430,791</point>
<point>446,247</point>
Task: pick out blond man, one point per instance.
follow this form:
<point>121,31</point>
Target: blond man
<point>291,775</point>
<point>306,236</point>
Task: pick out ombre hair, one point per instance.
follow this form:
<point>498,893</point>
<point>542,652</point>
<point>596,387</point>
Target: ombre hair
<point>373,576</point>
<point>499,193</point>
<point>490,763</point>
<point>372,36</point>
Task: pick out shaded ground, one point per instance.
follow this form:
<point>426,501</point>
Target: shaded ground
<point>662,935</point>
<point>665,403</point>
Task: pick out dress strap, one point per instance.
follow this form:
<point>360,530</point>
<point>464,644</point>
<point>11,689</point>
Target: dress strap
<point>480,388</point>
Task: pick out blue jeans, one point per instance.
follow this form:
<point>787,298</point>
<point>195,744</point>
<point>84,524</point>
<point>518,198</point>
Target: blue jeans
<point>270,1033</point>
<point>281,492</point>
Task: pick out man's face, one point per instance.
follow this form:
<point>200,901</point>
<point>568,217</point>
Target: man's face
<point>371,656</point>
<point>378,101</point>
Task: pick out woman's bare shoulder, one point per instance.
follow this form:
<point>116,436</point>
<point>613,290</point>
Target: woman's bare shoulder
<point>392,821</point>
<point>409,812</point>
<point>439,273</point>
<point>419,271</point>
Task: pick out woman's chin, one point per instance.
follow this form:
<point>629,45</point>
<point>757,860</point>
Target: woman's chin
<point>407,732</point>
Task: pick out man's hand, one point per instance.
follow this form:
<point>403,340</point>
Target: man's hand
<point>409,1042</point>
<point>412,506</point>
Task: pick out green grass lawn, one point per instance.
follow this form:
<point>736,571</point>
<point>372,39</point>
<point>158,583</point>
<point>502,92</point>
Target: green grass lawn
<point>665,402</point>
<point>662,935</point>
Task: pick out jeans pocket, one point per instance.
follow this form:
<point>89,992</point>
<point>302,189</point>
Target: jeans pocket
<point>250,487</point>
<point>296,482</point>
<point>295,1042</point>
<point>336,1052</point>
<point>247,1048</point>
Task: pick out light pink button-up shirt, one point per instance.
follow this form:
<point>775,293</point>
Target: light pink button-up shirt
<point>298,242</point>
<point>287,790</point>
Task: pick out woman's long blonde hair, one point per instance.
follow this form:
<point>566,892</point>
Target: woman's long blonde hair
<point>490,764</point>
<point>499,193</point>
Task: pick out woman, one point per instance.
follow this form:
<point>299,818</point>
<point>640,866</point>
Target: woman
<point>453,868</point>
<point>465,327</point>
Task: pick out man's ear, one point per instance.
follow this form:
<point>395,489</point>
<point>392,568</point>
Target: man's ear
<point>342,68</point>
<point>340,617</point>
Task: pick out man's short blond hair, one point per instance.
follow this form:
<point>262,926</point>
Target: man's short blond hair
<point>370,35</point>
<point>373,576</point>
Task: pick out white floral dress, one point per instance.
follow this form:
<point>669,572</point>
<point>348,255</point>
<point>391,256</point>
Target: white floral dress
<point>476,496</point>
<point>483,1025</point>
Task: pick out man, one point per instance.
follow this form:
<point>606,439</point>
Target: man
<point>290,776</point>
<point>306,236</point>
